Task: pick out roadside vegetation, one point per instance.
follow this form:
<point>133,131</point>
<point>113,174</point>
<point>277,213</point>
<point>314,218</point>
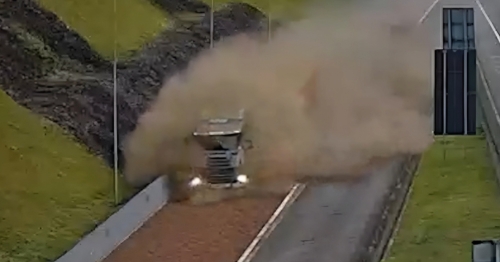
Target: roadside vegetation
<point>455,199</point>
<point>54,190</point>
<point>279,9</point>
<point>137,22</point>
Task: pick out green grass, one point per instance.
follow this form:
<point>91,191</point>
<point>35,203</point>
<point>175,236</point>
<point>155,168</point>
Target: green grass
<point>53,190</point>
<point>137,22</point>
<point>455,199</point>
<point>279,8</point>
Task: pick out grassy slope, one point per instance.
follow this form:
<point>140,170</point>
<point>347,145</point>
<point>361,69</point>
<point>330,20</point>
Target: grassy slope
<point>278,8</point>
<point>137,22</point>
<point>454,200</point>
<point>53,190</point>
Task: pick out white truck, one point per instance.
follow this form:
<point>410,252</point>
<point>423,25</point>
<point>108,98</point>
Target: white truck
<point>222,154</point>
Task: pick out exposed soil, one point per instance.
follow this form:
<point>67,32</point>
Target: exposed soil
<point>177,6</point>
<point>51,30</point>
<point>42,71</point>
<point>211,233</point>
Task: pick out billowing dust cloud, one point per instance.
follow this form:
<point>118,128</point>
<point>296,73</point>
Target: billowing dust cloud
<point>327,93</point>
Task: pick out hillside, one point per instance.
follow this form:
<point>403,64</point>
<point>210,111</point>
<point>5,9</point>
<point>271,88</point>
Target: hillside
<point>57,66</point>
<point>53,189</point>
<point>137,22</point>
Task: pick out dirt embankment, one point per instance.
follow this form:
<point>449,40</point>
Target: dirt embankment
<point>177,6</point>
<point>50,69</point>
<point>51,30</point>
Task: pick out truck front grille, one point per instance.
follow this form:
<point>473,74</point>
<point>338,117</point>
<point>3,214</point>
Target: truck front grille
<point>220,170</point>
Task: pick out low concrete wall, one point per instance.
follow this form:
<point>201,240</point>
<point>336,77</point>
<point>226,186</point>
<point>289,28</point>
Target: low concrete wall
<point>99,243</point>
<point>490,120</point>
<point>357,216</point>
<point>383,223</point>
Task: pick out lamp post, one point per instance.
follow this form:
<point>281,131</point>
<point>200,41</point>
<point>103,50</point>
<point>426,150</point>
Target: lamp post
<point>269,29</point>
<point>115,109</point>
<point>211,24</point>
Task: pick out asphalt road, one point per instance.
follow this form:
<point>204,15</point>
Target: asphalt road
<point>327,222</point>
<point>488,43</point>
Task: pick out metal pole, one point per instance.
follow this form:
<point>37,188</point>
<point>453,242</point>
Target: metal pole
<point>211,24</point>
<point>466,99</point>
<point>497,250</point>
<point>445,90</point>
<point>450,32</point>
<point>445,78</point>
<point>466,71</point>
<point>115,109</point>
<point>445,94</point>
<point>269,29</point>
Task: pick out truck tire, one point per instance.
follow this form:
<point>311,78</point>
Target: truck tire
<point>178,188</point>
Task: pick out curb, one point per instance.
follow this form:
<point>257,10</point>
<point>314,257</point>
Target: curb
<point>486,124</point>
<point>395,210</point>
<point>271,224</point>
<point>104,239</point>
<point>399,218</point>
<point>377,239</point>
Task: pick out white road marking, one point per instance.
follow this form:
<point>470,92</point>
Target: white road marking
<point>276,217</point>
<point>273,221</point>
<point>495,32</point>
<point>481,73</point>
<point>427,12</point>
<point>488,92</point>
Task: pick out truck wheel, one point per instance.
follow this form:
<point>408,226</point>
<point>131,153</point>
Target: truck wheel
<point>178,188</point>
<point>205,196</point>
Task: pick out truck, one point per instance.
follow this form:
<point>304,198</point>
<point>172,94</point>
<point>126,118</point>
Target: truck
<point>217,154</point>
<point>218,146</point>
<point>222,153</point>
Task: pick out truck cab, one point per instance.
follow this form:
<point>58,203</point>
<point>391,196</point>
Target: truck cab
<point>222,153</point>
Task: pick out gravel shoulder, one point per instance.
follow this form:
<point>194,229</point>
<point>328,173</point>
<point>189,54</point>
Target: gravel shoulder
<point>184,233</point>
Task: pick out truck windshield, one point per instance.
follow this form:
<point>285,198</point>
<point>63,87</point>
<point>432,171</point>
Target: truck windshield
<point>228,142</point>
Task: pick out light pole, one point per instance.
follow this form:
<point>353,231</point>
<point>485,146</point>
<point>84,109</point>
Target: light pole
<point>211,24</point>
<point>269,29</point>
<point>115,109</point>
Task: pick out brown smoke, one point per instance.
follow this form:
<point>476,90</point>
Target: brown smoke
<point>329,92</point>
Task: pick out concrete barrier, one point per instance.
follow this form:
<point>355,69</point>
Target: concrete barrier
<point>99,243</point>
<point>382,225</point>
<point>490,119</point>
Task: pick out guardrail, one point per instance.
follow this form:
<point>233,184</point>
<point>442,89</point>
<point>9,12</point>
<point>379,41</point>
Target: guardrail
<point>99,243</point>
<point>377,240</point>
<point>490,119</point>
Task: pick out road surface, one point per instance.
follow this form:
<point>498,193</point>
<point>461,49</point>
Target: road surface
<point>210,233</point>
<point>328,222</point>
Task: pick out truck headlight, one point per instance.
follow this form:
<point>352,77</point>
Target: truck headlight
<point>242,179</point>
<point>195,182</point>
